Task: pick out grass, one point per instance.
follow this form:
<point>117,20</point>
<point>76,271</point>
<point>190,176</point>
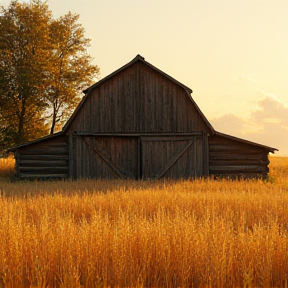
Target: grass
<point>202,233</point>
<point>7,168</point>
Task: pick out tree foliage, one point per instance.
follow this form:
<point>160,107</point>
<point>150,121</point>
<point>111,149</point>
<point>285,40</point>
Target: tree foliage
<point>71,68</point>
<point>44,65</point>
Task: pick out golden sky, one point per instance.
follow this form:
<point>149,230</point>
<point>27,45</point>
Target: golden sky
<point>233,54</point>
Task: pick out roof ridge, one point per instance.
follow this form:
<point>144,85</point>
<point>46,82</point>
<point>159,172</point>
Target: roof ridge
<point>139,57</point>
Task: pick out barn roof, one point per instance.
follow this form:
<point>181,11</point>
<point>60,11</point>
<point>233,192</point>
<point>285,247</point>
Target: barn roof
<point>142,60</point>
<point>136,59</point>
<point>36,141</point>
<point>270,149</point>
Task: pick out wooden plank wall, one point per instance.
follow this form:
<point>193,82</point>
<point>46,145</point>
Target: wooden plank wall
<point>140,100</point>
<point>234,159</point>
<point>170,157</point>
<point>131,157</point>
<point>105,157</point>
<point>44,159</point>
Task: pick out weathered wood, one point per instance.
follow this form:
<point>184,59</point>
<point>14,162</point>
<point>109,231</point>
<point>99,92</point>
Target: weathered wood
<point>42,146</point>
<point>30,175</point>
<point>138,99</point>
<point>227,162</point>
<point>164,138</point>
<point>43,162</point>
<point>173,160</point>
<point>232,148</point>
<point>238,168</point>
<point>139,158</point>
<point>71,153</point>
<point>41,169</point>
<point>44,157</point>
<point>168,135</point>
<point>205,149</point>
<point>45,151</point>
<point>140,123</point>
<point>239,175</point>
<point>231,156</point>
<point>101,154</point>
<point>106,157</point>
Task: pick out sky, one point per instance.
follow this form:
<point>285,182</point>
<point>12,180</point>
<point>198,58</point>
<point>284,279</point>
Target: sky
<point>233,54</point>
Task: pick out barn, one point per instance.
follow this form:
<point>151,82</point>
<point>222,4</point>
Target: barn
<point>140,123</point>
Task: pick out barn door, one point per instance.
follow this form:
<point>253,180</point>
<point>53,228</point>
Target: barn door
<point>105,157</point>
<point>171,157</point>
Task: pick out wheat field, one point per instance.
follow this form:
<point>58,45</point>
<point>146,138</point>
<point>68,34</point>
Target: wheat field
<point>202,233</point>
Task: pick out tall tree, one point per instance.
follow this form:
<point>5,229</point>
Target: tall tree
<point>71,66</point>
<point>43,66</point>
<point>23,53</point>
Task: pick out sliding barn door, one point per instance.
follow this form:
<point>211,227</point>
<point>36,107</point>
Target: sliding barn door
<point>137,157</point>
<point>104,157</point>
<point>171,157</point>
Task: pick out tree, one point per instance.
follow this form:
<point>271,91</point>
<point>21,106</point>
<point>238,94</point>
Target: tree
<point>23,54</point>
<point>43,66</point>
<point>71,68</point>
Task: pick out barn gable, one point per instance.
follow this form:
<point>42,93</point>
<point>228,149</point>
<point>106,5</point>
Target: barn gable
<point>121,102</point>
<point>140,123</point>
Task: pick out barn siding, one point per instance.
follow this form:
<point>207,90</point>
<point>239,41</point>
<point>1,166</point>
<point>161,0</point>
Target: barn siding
<point>232,158</point>
<point>139,100</point>
<point>136,156</point>
<point>105,157</point>
<point>130,125</point>
<point>168,105</point>
<point>45,159</point>
<point>172,157</point>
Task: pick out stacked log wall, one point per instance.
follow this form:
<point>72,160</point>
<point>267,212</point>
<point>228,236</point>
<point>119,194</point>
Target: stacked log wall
<point>234,159</point>
<point>43,159</point>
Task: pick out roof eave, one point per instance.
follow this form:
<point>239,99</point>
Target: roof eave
<point>201,114</point>
<point>138,57</point>
<point>13,149</point>
<point>270,149</point>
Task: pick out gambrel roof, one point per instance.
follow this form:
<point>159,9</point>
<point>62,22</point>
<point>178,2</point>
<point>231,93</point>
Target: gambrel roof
<point>141,60</point>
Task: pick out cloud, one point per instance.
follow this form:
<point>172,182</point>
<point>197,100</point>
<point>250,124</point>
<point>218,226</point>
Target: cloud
<point>267,125</point>
<point>229,123</point>
<point>271,108</point>
<point>244,78</point>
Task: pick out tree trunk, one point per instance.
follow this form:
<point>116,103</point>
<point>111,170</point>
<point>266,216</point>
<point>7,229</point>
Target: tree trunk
<point>20,133</point>
<point>53,123</point>
<point>55,110</point>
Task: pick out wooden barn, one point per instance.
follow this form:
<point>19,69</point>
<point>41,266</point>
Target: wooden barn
<point>139,123</point>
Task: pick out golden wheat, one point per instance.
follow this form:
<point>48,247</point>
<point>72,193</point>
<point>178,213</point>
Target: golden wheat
<point>7,168</point>
<point>202,233</point>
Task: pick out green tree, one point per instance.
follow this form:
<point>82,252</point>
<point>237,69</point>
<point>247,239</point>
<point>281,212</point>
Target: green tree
<point>43,66</point>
